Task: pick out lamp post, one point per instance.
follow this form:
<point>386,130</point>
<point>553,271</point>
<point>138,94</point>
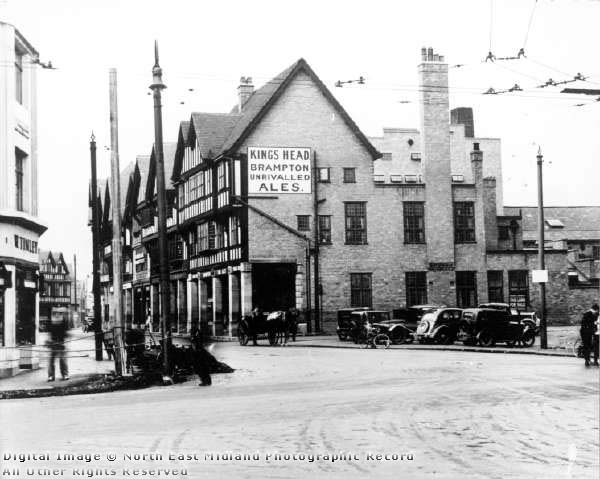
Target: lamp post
<point>156,87</point>
<point>541,262</point>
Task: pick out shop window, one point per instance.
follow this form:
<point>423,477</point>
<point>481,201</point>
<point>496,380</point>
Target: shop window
<point>464,222</point>
<point>303,222</point>
<point>360,290</point>
<point>356,223</point>
<point>414,222</point>
<point>518,289</point>
<point>495,286</point>
<point>323,175</point>
<point>466,289</point>
<point>416,287</point>
<point>324,229</point>
<point>349,175</point>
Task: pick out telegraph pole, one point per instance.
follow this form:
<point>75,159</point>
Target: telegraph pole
<point>318,292</point>
<point>120,359</point>
<point>157,87</point>
<point>541,265</point>
<point>95,254</point>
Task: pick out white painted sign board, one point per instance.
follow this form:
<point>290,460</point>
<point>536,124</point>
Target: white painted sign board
<point>279,170</point>
<point>539,275</point>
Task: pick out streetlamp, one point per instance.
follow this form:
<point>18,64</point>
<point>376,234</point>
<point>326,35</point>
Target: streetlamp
<point>156,87</point>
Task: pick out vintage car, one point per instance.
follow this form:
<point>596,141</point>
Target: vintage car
<point>439,326</point>
<point>344,322</point>
<point>526,317</point>
<point>412,315</point>
<point>488,326</point>
<point>381,324</point>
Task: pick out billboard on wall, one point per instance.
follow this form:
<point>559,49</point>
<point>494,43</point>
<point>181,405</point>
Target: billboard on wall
<point>279,170</point>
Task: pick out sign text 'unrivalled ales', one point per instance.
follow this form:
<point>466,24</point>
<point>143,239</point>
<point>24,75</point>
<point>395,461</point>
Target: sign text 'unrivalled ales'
<point>278,170</point>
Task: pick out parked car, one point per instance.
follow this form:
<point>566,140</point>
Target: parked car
<point>439,326</point>
<point>344,322</point>
<point>488,326</point>
<point>530,317</point>
<point>412,315</point>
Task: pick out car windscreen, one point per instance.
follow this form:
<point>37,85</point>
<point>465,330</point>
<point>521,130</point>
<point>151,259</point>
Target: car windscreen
<point>377,316</point>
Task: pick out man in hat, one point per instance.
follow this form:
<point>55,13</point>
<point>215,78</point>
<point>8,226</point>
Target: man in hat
<point>587,331</point>
<point>58,334</point>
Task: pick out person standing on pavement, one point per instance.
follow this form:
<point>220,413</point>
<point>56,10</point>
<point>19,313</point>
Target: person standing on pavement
<point>588,333</point>
<point>58,334</point>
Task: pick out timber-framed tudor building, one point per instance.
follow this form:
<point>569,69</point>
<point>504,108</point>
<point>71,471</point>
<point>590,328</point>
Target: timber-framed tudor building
<point>287,181</point>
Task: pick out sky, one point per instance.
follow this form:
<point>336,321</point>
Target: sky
<point>205,47</point>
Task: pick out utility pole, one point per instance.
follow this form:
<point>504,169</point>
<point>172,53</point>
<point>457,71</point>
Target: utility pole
<point>156,87</point>
<point>541,265</point>
<point>95,254</point>
<point>120,359</point>
<point>317,288</point>
<point>75,283</point>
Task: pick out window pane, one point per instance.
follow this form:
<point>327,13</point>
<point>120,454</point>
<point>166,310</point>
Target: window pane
<point>416,287</point>
<point>466,289</point>
<point>414,224</point>
<point>360,290</point>
<point>495,287</point>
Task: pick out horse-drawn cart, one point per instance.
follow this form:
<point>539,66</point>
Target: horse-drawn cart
<point>277,327</point>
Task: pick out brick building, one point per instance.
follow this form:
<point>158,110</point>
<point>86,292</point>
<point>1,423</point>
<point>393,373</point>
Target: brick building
<point>286,183</point>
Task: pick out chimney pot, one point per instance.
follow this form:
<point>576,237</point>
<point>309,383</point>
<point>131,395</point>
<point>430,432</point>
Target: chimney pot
<point>245,91</point>
<point>430,54</point>
<point>424,54</point>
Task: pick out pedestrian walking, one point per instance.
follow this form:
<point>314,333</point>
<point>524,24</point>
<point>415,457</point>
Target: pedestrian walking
<point>200,358</point>
<point>588,331</point>
<point>58,334</point>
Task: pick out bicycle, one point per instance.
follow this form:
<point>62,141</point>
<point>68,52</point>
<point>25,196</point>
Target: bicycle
<point>375,339</point>
<point>572,344</point>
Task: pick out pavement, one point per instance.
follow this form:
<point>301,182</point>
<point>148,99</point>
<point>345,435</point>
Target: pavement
<point>295,411</point>
<point>82,363</point>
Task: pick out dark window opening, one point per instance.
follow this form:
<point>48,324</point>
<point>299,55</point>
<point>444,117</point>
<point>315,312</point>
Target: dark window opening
<point>414,222</point>
<point>466,289</point>
<point>503,232</point>
<point>360,290</point>
<point>324,229</point>
<point>416,287</point>
<point>303,222</point>
<point>349,175</point>
<point>495,286</point>
<point>464,222</point>
<point>356,223</point>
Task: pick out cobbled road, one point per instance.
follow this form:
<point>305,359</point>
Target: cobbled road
<point>452,415</point>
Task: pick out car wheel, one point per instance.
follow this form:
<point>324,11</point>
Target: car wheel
<point>528,338</point>
<point>381,341</point>
<point>486,339</point>
<point>443,338</point>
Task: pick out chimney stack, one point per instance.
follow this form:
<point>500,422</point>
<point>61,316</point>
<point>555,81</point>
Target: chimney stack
<point>477,164</point>
<point>245,91</point>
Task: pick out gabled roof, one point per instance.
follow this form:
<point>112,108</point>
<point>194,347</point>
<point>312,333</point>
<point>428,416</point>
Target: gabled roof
<point>143,166</point>
<point>265,97</point>
<point>124,181</point>
<point>212,130</point>
<point>169,149</point>
<point>223,133</point>
<point>182,142</point>
<point>580,222</point>
<point>54,258</point>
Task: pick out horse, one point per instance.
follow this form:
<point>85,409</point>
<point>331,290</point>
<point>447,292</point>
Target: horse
<point>277,325</point>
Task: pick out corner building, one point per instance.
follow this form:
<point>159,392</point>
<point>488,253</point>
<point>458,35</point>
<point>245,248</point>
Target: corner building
<point>255,229</point>
<point>20,227</point>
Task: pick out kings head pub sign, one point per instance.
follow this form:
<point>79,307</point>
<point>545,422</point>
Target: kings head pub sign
<point>279,170</point>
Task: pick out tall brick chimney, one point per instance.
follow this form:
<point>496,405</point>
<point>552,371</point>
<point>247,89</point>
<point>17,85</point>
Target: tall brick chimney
<point>435,138</point>
<point>245,91</point>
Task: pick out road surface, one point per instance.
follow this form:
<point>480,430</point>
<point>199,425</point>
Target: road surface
<point>427,413</point>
